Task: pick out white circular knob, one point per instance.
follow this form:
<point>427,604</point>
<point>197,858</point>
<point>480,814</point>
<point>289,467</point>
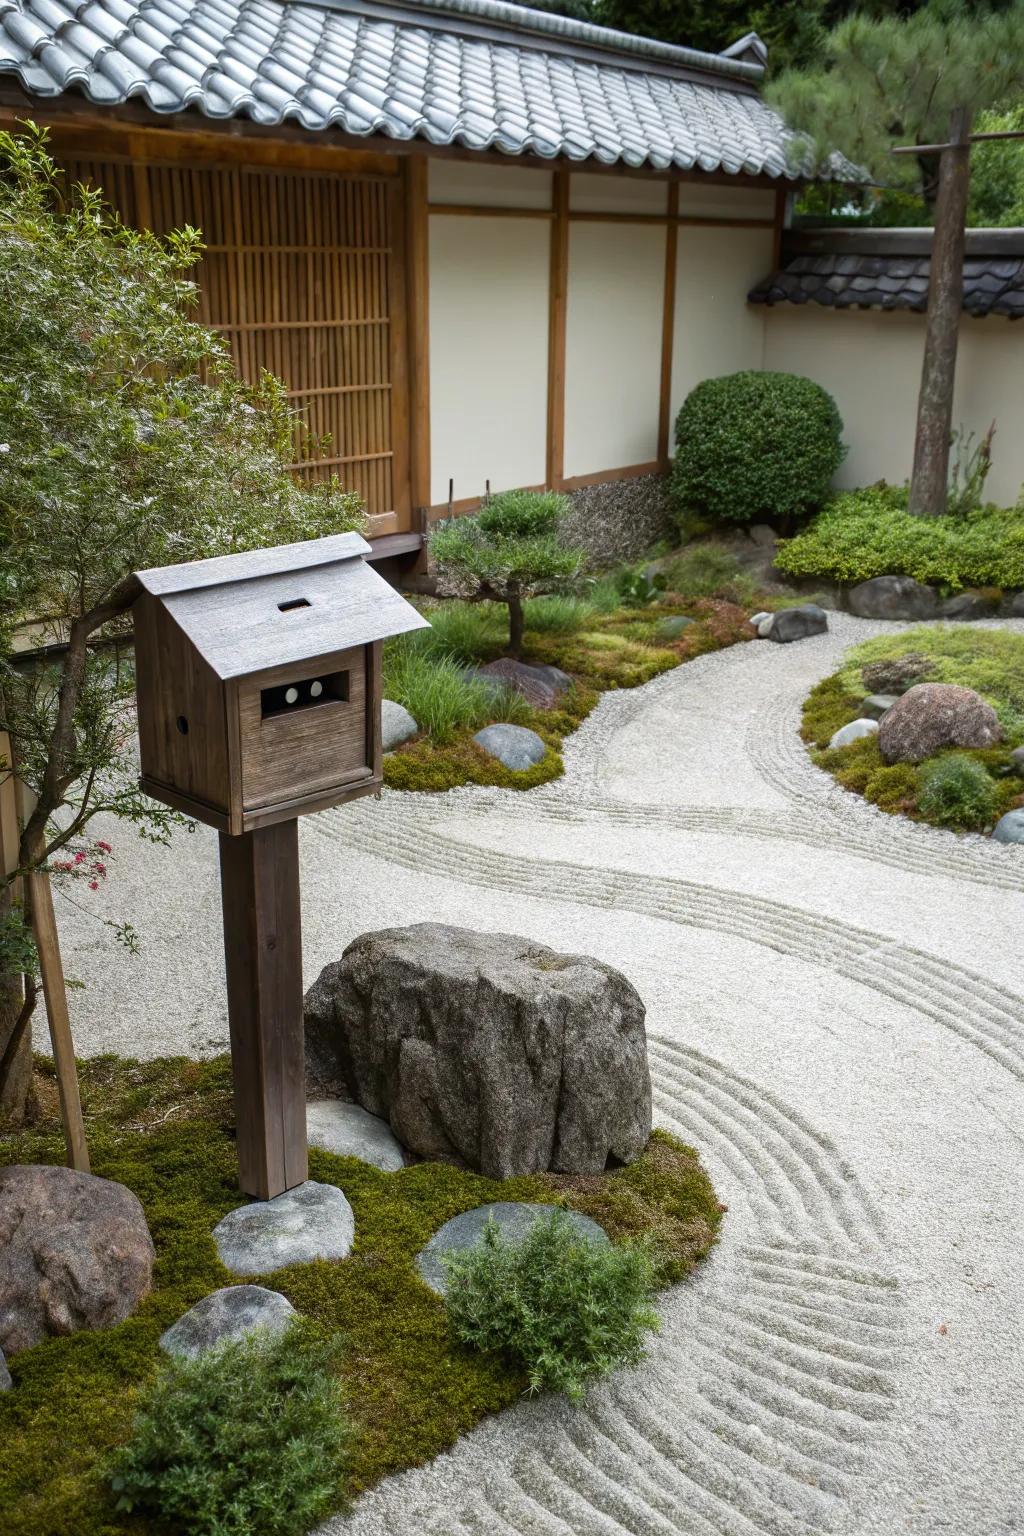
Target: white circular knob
<point>315,690</point>
<point>291,695</point>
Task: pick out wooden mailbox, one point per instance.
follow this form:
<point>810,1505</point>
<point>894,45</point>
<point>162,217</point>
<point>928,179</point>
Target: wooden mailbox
<point>258,685</point>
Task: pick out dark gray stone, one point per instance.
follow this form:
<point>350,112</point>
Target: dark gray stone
<point>75,1252</point>
<point>466,1231</point>
<point>936,715</point>
<point>893,597</point>
<point>969,605</point>
<point>486,1048</point>
<point>798,623</point>
<point>856,730</point>
<point>230,1313</point>
<point>1010,828</point>
<point>515,746</point>
<point>1017,760</point>
<point>1013,606</point>
<point>313,1221</point>
<point>877,704</point>
<point>396,725</point>
<point>5,1376</point>
<point>338,1126</point>
<point>540,686</point>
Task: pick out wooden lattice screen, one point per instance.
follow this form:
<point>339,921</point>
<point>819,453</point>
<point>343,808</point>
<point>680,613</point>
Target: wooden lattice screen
<point>298,275</point>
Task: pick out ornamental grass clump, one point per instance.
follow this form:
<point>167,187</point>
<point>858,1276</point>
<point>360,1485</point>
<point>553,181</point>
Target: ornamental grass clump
<point>566,1309</point>
<point>508,552</point>
<point>957,792</point>
<point>755,447</point>
<point>249,1439</point>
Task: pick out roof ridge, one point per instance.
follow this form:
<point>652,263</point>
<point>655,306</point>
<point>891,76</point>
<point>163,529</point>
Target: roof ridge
<point>523,20</point>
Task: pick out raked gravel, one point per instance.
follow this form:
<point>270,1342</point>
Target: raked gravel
<point>836,1020</point>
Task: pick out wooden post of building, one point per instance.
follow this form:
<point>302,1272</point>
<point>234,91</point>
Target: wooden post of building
<point>259,874</point>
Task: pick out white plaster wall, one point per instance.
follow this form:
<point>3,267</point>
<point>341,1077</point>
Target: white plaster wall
<point>871,363</point>
<point>716,330</point>
<point>467,184</point>
<point>712,200</point>
<point>488,353</point>
<point>590,193</point>
<point>613,345</point>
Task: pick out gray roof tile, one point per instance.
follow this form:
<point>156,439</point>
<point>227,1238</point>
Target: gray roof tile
<point>992,286</point>
<point>547,87</point>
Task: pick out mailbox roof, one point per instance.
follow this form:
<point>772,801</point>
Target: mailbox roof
<point>230,607</point>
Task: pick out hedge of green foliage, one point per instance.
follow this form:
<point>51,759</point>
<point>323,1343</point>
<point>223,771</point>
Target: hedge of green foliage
<point>965,791</point>
<point>165,1128</point>
<point>567,1309</point>
<point>869,532</point>
<point>755,447</point>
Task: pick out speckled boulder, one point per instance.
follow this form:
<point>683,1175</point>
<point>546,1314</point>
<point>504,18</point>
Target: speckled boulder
<point>231,1313</point>
<point>488,1049</point>
<point>936,715</point>
<point>898,673</point>
<point>75,1252</point>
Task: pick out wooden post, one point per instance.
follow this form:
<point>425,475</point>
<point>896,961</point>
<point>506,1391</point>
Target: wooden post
<point>259,874</point>
<point>44,927</point>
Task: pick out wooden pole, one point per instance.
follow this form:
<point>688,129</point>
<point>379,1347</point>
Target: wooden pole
<point>44,927</point>
<point>259,874</point>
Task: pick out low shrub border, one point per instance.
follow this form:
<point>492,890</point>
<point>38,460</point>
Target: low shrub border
<point>163,1128</point>
<point>962,791</point>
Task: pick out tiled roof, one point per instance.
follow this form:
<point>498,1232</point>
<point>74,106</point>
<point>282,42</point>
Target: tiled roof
<point>863,274</point>
<point>477,73</point>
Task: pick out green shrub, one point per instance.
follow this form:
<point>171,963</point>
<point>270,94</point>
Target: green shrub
<point>637,589</point>
<point>707,570</point>
<point>469,633</point>
<point>248,1440</point>
<point>560,614</point>
<point>957,792</point>
<point>755,446</point>
<point>567,1309</point>
<point>508,552</point>
<point>439,697</point>
<point>605,593</point>
<point>870,533</point>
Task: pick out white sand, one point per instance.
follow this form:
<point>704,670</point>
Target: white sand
<point>836,1020</point>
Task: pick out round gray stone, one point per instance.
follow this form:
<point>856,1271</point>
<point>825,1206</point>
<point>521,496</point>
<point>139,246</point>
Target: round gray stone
<point>313,1221</point>
<point>514,1220</point>
<point>1010,828</point>
<point>351,1131</point>
<point>798,623</point>
<point>230,1313</point>
<point>396,725</point>
<point>515,746</point>
<point>856,730</point>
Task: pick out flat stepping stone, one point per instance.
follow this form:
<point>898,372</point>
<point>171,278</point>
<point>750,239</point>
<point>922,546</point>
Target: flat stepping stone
<point>230,1313</point>
<point>515,746</point>
<point>313,1221</point>
<point>514,1219</point>
<point>348,1130</point>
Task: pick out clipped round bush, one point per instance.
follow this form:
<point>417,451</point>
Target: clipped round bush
<point>755,447</point>
<point>957,792</point>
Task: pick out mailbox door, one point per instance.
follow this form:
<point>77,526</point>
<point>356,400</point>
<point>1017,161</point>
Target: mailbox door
<point>303,729</point>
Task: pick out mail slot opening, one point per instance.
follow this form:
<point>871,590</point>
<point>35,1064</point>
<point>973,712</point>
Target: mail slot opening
<point>294,602</point>
<point>286,698</point>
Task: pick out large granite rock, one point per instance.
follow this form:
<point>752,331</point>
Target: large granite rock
<point>312,1221</point>
<point>396,725</point>
<point>897,674</point>
<point>347,1130</point>
<point>485,1048</point>
<point>931,716</point>
<point>893,597</point>
<point>791,624</point>
<point>515,746</point>
<point>75,1252</point>
<point>513,1220</point>
<point>230,1313</point>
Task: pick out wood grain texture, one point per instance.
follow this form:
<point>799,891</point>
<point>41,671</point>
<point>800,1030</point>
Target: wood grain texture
<point>558,291</point>
<point>417,305</point>
<point>263,959</point>
<point>668,326</point>
<point>161,579</point>
<point>308,749</point>
<point>602,476</point>
<point>44,930</point>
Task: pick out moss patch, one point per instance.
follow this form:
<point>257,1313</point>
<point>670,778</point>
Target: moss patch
<point>989,661</point>
<point>164,1129</point>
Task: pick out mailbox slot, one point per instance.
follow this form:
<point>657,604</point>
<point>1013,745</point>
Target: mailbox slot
<point>304,693</point>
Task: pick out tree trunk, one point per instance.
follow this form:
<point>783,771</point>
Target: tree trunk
<point>15,1058</point>
<point>515,626</point>
<point>929,481</point>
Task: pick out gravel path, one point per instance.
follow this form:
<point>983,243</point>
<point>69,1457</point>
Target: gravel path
<point>836,1020</point>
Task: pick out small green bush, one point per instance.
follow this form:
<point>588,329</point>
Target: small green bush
<point>560,614</point>
<point>248,1440</point>
<point>468,633</point>
<point>567,1309</point>
<point>957,792</point>
<point>869,533</point>
<point>707,570</point>
<point>439,697</point>
<point>755,446</point>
